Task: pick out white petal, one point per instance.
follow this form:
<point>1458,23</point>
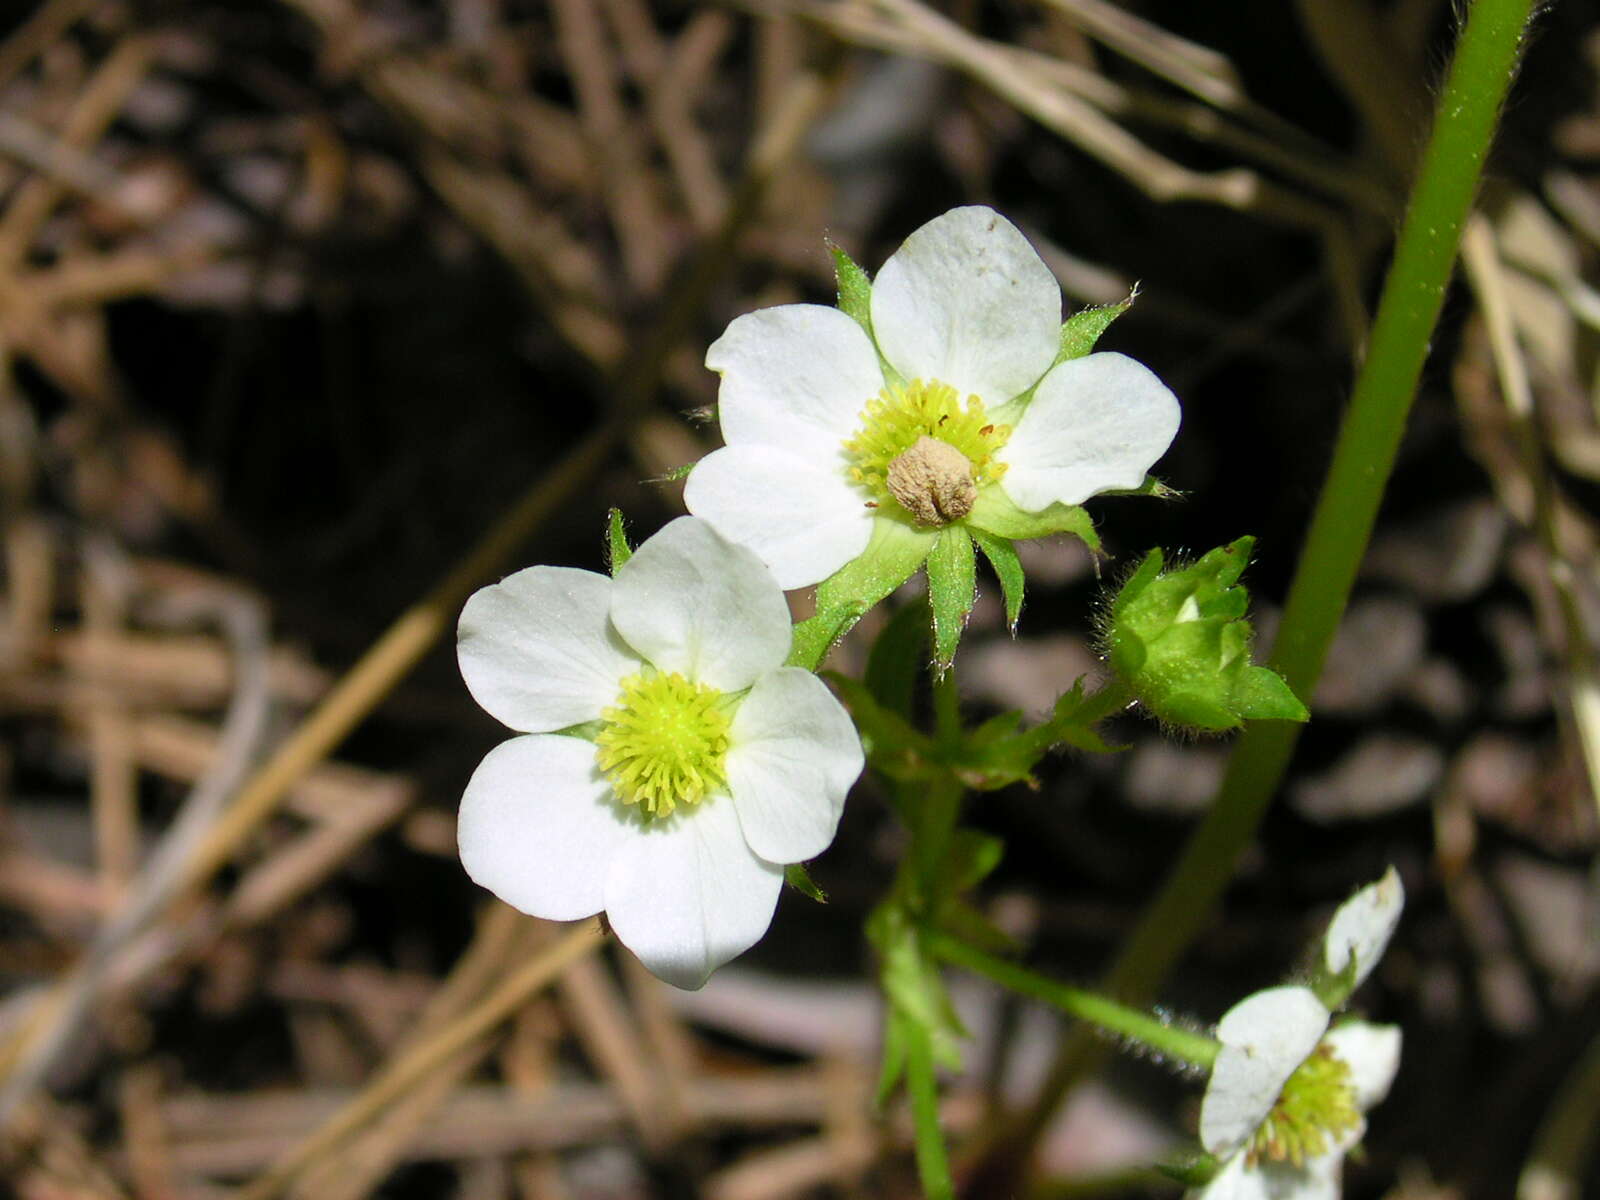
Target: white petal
<point>1317,1180</point>
<point>795,377</point>
<point>537,649</point>
<point>1265,1038</point>
<point>1362,926</point>
<point>691,601</point>
<point>1096,423</point>
<point>803,522</point>
<point>1372,1052</point>
<point>967,301</point>
<point>793,758</point>
<point>539,826</point>
<point>687,895</point>
<point>1235,1181</point>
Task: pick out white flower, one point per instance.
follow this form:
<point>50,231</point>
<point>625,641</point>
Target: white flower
<point>829,430</point>
<point>1287,1096</point>
<point>702,764</point>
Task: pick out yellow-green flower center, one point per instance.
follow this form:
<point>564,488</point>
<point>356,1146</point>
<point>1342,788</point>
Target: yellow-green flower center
<point>918,448</point>
<point>1316,1108</point>
<point>664,742</point>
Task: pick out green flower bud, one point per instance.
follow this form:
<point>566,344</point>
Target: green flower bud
<point>1180,641</point>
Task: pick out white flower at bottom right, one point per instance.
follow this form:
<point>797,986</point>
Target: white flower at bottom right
<point>1288,1096</point>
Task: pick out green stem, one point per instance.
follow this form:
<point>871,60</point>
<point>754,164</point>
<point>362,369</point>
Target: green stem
<point>1480,75</point>
<point>1363,460</point>
<point>933,1164</point>
<point>1132,1023</point>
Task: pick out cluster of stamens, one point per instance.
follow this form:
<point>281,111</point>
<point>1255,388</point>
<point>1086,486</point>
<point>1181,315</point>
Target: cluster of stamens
<point>664,742</point>
<point>919,447</point>
<point>1315,1110</point>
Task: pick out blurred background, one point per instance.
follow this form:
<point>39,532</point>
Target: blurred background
<point>299,299</point>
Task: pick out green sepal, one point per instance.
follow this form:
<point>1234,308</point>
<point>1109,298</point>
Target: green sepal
<point>675,474</point>
<point>1151,486</point>
<point>1082,329</point>
<point>855,288</point>
<point>893,746</point>
<point>1261,694</point>
<point>952,588</point>
<point>896,660</point>
<point>1002,556</point>
<point>1179,639</point>
<point>1194,1170</point>
<point>1333,988</point>
<point>892,556</point>
<point>994,513</point>
<point>797,877</point>
<point>617,549</point>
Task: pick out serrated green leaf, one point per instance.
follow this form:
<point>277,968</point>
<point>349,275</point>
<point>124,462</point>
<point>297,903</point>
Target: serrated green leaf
<point>994,513</point>
<point>897,658</point>
<point>952,588</point>
<point>1072,722</point>
<point>892,556</point>
<point>855,288</point>
<point>1082,329</point>
<point>617,549</point>
<point>797,877</point>
<point>1002,556</point>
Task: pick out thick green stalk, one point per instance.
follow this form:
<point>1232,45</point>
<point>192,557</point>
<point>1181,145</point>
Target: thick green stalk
<point>1480,75</point>
<point>1485,62</point>
<point>1132,1023</point>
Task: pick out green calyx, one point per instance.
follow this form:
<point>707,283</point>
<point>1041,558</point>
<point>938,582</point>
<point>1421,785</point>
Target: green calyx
<point>1180,641</point>
<point>1315,1113</point>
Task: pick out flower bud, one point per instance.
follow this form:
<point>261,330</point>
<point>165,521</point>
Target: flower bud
<point>1180,641</point>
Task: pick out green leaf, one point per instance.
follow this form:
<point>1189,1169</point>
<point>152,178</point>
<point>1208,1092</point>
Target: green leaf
<point>1002,556</point>
<point>1083,329</point>
<point>855,288</point>
<point>995,513</point>
<point>892,556</point>
<point>617,549</point>
<point>797,877</point>
<point>952,588</point>
<point>897,658</point>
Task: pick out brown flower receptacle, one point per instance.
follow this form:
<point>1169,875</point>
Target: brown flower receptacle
<point>933,481</point>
